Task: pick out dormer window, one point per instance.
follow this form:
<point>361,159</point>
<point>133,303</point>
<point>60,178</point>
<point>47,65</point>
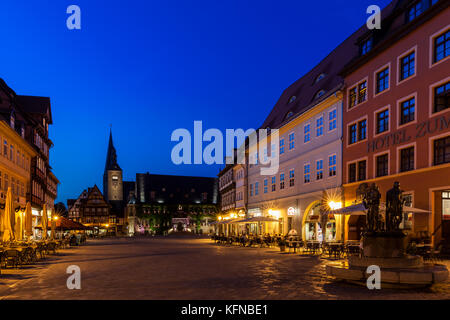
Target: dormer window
<point>415,11</point>
<point>366,46</point>
<point>418,8</point>
<point>289,114</point>
<point>320,77</point>
<point>319,94</point>
<point>292,99</point>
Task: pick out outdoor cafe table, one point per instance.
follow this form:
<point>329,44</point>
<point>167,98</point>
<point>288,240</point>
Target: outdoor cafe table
<point>335,249</point>
<point>294,244</point>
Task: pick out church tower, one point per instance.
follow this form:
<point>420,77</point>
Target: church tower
<point>112,177</point>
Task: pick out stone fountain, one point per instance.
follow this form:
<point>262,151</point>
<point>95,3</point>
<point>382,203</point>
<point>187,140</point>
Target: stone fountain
<point>384,245</point>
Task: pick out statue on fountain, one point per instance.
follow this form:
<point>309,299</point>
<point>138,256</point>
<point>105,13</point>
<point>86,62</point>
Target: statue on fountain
<point>394,208</point>
<point>371,200</point>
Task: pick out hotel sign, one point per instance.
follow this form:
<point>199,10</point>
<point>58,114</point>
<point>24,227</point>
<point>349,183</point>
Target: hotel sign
<point>421,130</point>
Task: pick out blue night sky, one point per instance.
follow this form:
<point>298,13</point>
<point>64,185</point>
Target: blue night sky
<point>150,67</point>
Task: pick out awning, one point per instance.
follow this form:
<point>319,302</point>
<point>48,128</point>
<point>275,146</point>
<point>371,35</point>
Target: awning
<point>360,210</point>
<point>66,224</point>
<point>355,209</point>
<point>258,219</point>
<point>406,209</point>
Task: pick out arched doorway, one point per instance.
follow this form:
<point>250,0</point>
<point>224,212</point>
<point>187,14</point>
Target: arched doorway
<point>312,227</point>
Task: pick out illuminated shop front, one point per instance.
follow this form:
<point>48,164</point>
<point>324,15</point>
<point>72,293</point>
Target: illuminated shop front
<point>313,226</point>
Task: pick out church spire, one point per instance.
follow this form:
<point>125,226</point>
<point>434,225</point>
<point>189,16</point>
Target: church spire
<point>111,156</point>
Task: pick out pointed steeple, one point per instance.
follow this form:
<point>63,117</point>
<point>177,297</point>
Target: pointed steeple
<point>111,156</point>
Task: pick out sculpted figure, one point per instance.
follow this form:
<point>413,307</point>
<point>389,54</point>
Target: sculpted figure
<point>371,200</point>
<point>394,208</point>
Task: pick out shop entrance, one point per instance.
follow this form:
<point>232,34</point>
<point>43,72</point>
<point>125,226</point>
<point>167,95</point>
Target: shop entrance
<point>312,226</point>
<point>356,226</point>
<point>446,215</point>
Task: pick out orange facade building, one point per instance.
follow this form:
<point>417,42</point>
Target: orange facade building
<point>396,119</point>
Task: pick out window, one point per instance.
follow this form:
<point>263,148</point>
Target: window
<point>407,66</point>
<point>292,99</point>
<point>265,155</point>
<point>11,153</point>
<point>362,165</point>
<point>382,121</point>
<point>307,132</point>
<point>382,80</point>
<point>282,181</point>
<point>274,186</point>
<point>358,94</point>
<point>442,97</point>
<point>5,148</point>
<point>291,141</point>
<point>319,126</point>
<point>362,130</point>
<point>307,173</point>
<point>281,146</point>
<point>332,165</point>
<point>362,91</point>
<point>266,182</point>
<point>320,77</point>
<point>382,165</point>
<point>352,172</point>
<point>366,46</point>
<point>442,151</point>
<point>332,120</point>
<point>353,134</point>
<point>415,11</point>
<point>319,94</point>
<point>446,205</point>
<point>256,188</point>
<point>291,178</point>
<point>251,190</point>
<point>352,97</point>
<point>319,171</point>
<point>407,111</point>
<point>289,114</point>
<point>407,159</point>
<point>441,46</point>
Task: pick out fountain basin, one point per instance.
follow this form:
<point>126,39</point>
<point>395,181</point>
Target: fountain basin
<point>425,275</point>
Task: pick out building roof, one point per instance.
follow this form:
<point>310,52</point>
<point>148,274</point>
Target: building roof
<point>111,156</point>
<point>394,27</point>
<point>320,82</point>
<point>37,105</point>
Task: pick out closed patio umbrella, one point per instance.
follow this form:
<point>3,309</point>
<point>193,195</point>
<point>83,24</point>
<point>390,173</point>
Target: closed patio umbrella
<point>18,227</point>
<point>28,225</point>
<point>44,222</point>
<point>8,218</point>
<point>53,225</point>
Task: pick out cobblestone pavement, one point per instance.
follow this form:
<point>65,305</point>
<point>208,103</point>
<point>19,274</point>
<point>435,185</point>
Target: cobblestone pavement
<point>188,268</point>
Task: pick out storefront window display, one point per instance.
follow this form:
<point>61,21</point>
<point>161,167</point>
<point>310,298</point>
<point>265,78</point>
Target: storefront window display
<point>330,231</point>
